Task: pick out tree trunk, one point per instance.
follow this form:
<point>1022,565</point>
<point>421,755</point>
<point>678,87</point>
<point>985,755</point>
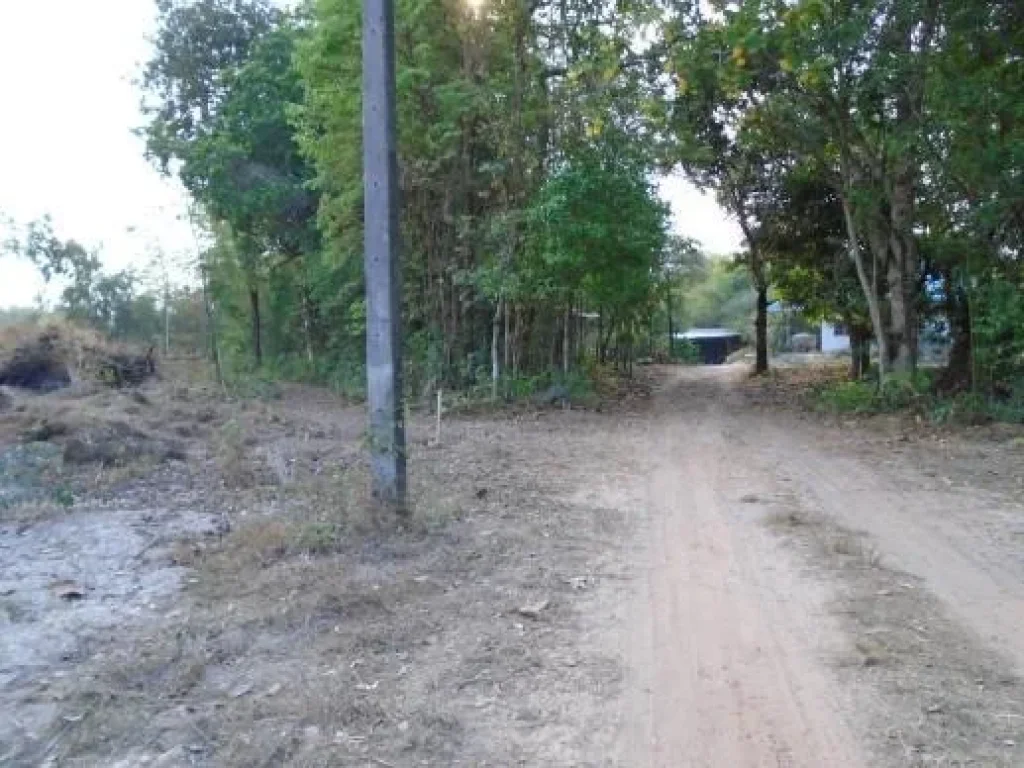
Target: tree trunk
<point>505,359</point>
<point>761,330</point>
<point>671,327</point>
<point>630,341</point>
<point>757,271</point>
<point>567,339</point>
<point>257,340</point>
<point>901,357</point>
<point>211,324</point>
<point>868,286</point>
<point>307,329</point>
<point>495,338</point>
<point>167,321</point>
<point>606,340</point>
<point>902,274</point>
<point>860,351</point>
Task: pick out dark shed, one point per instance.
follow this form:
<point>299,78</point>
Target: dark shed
<point>714,344</point>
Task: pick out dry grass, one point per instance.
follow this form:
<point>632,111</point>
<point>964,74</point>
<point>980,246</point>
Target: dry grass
<point>791,387</point>
<point>937,698</point>
<point>232,456</point>
<point>787,518</point>
<point>83,350</point>
<point>320,630</point>
<point>97,440</point>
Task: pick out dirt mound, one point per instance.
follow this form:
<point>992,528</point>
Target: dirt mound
<point>36,366</point>
<point>117,444</point>
<point>47,358</point>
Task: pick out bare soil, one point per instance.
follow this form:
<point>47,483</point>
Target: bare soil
<point>690,576</point>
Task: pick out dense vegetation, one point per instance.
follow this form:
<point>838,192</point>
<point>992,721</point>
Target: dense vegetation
<point>532,236</point>
<point>142,306</point>
<point>871,151</point>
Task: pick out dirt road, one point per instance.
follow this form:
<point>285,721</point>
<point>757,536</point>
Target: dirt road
<point>799,605</point>
<point>685,580</point>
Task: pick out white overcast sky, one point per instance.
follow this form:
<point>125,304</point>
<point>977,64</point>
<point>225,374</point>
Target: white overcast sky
<point>66,148</point>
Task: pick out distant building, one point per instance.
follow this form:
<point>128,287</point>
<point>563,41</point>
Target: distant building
<point>714,344</point>
<point>835,338</point>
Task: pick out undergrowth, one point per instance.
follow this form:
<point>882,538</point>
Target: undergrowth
<point>917,394</point>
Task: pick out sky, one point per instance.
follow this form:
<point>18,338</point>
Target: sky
<point>66,145</point>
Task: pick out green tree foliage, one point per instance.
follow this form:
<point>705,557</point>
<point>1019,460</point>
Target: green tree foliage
<point>719,296</point>
<point>502,113</point>
<point>870,150</point>
<point>906,111</point>
<point>220,89</point>
<point>116,303</point>
<point>597,237</point>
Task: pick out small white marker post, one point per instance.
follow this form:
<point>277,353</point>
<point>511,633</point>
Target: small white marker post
<point>437,431</point>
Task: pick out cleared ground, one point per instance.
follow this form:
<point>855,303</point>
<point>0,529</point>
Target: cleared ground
<point>691,577</point>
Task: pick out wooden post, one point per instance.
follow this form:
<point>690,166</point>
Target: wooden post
<point>440,409</point>
<point>383,282</point>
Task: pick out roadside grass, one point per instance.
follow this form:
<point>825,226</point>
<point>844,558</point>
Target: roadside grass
<point>918,396</point>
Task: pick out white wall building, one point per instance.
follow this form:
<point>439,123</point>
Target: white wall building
<point>834,338</point>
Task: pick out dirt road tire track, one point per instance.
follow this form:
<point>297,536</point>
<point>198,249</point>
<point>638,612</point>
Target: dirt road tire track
<point>799,605</point>
<point>725,643</point>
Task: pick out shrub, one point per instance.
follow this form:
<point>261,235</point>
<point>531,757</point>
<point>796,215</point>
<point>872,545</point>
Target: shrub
<point>686,352</point>
<point>896,394</point>
<point>848,397</point>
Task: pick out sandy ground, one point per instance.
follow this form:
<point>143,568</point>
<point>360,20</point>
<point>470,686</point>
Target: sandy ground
<point>810,597</point>
<point>689,579</point>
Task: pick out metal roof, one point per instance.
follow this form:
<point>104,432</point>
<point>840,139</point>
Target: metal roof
<point>709,333</point>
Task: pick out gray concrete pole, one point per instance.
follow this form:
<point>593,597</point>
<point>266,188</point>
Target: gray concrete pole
<point>383,279</point>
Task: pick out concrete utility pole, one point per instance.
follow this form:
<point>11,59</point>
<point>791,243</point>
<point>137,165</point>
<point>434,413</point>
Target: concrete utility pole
<point>383,281</point>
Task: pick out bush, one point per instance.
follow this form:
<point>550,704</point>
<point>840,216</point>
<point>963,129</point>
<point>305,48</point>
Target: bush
<point>998,336</point>
<point>686,352</point>
<point>974,408</point>
<point>848,397</point>
<point>897,394</point>
<point>917,394</point>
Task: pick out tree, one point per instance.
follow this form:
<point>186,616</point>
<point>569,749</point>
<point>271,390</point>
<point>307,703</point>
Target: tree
<point>707,120</point>
<point>196,43</point>
<point>108,302</point>
<point>225,84</point>
<point>682,262</point>
<point>811,270</point>
<point>492,107</point>
<point>598,233</point>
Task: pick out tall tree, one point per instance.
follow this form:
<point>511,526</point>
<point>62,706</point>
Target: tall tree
<point>224,83</point>
<point>709,139</point>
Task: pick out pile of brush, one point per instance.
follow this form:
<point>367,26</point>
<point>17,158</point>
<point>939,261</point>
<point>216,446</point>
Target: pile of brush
<point>45,358</point>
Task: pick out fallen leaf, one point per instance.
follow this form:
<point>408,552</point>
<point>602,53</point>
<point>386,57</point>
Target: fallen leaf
<point>66,589</point>
<point>533,610</point>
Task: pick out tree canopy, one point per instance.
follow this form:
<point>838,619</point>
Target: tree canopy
<point>870,151</point>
